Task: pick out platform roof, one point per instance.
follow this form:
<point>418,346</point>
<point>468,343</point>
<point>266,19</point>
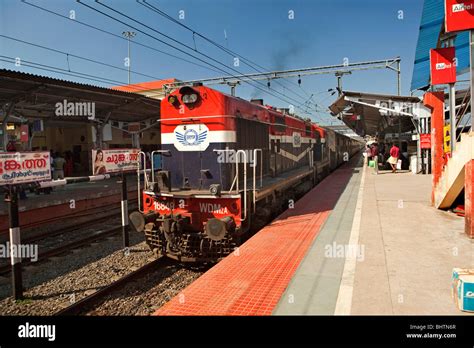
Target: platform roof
<point>363,114</point>
<point>35,97</point>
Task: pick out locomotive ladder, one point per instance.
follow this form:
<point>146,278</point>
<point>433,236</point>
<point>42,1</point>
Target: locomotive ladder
<point>235,182</point>
<point>142,155</point>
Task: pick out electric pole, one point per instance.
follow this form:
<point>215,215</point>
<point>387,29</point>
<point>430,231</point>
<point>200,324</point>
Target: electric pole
<point>129,35</point>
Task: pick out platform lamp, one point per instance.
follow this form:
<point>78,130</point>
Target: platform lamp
<point>129,35</point>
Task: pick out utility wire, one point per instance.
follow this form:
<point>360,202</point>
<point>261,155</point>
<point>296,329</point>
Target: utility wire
<point>181,50</point>
<point>118,36</point>
<point>78,57</point>
<point>225,49</point>
<point>62,71</point>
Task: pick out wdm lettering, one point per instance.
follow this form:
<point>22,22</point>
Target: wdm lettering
<point>212,208</point>
<point>37,331</point>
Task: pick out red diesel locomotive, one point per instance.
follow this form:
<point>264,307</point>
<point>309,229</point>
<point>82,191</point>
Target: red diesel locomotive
<point>228,167</point>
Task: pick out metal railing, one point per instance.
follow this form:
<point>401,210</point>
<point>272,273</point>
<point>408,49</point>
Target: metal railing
<point>255,159</point>
<point>462,113</point>
<point>160,152</point>
<point>235,182</point>
<point>145,179</point>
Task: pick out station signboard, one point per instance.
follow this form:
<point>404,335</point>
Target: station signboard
<point>425,141</point>
<point>24,167</point>
<point>114,160</point>
<point>458,15</point>
<point>443,65</point>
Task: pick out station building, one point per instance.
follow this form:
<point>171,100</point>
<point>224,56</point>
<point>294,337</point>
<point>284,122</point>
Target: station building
<point>42,113</point>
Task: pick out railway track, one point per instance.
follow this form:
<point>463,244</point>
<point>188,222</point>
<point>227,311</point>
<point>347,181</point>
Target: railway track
<point>5,269</point>
<point>88,301</point>
<point>29,228</point>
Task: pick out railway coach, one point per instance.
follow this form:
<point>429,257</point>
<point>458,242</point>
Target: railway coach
<point>228,167</point>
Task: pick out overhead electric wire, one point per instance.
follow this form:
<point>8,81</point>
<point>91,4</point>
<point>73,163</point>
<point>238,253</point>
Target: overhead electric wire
<point>135,42</point>
<point>62,71</point>
<point>225,49</point>
<point>117,36</point>
<point>181,50</point>
<point>98,79</point>
<point>78,57</point>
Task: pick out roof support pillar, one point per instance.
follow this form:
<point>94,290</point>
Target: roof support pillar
<point>7,109</point>
<point>435,101</point>
<point>469,198</point>
<point>98,127</point>
<point>471,56</point>
<point>136,140</point>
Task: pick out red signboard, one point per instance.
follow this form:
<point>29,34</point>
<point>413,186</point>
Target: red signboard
<point>425,141</point>
<point>458,15</point>
<point>23,167</point>
<point>24,133</point>
<point>443,67</point>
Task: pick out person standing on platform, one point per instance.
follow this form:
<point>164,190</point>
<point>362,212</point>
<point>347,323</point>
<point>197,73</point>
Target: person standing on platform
<point>394,155</point>
<point>11,146</point>
<point>58,165</point>
<point>368,154</point>
<point>374,152</point>
<point>51,158</point>
<point>68,167</point>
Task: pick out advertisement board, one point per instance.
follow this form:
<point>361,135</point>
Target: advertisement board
<point>447,138</point>
<point>458,15</point>
<point>24,167</point>
<point>443,66</point>
<point>114,160</point>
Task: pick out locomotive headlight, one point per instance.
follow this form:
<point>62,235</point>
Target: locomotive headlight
<point>215,189</point>
<point>172,99</point>
<point>189,95</point>
<point>189,98</point>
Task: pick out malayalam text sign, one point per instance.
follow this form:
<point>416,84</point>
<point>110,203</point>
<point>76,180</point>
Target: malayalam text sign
<point>24,167</point>
<point>443,65</point>
<point>458,15</point>
<point>114,160</point>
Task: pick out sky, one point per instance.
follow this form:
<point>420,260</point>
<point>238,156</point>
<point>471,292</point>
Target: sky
<point>275,34</point>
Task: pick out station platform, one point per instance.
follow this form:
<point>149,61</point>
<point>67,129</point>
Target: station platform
<point>86,195</point>
<point>358,243</point>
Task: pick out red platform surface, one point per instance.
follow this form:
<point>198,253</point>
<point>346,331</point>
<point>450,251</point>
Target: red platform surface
<point>252,280</point>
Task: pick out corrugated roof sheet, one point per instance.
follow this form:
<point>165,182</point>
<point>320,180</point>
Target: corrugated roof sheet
<point>432,22</point>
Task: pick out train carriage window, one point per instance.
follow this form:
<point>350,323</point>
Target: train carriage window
<point>308,130</point>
